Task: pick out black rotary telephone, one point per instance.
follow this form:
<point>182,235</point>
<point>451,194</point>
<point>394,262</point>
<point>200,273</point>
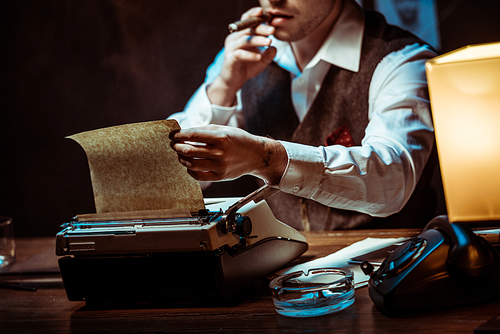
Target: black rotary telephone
<point>447,265</point>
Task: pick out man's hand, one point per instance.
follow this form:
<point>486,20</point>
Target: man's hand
<point>216,153</point>
<point>247,53</point>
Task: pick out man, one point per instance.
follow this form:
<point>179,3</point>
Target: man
<point>336,115</point>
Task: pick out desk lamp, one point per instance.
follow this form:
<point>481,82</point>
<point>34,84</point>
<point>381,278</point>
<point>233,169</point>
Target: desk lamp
<point>447,264</point>
<point>464,88</point>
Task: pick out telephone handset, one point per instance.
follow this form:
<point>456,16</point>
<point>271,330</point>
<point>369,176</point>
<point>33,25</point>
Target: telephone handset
<point>445,266</point>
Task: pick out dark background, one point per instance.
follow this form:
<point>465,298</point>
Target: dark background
<point>73,65</point>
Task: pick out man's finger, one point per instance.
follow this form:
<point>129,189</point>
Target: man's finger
<point>195,151</point>
<point>199,165</point>
<point>245,55</point>
<point>204,176</point>
<point>268,55</point>
<point>252,42</point>
<point>255,11</point>
<point>193,135</point>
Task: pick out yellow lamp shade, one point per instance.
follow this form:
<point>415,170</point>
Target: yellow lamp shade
<point>464,88</point>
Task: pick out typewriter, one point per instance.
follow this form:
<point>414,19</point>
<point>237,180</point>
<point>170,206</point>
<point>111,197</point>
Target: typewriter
<point>206,256</point>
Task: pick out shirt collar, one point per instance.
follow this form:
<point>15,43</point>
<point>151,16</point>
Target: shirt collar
<point>341,48</point>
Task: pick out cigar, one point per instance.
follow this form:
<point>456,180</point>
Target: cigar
<point>249,23</point>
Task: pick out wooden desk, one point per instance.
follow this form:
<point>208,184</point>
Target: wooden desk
<point>48,310</point>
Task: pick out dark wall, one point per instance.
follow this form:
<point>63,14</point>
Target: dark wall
<point>74,65</point>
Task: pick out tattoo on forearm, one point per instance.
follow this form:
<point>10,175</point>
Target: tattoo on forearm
<point>267,158</point>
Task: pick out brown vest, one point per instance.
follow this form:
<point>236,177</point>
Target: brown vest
<point>342,99</point>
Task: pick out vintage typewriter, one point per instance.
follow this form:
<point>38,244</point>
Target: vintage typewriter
<point>154,238</point>
<point>205,257</point>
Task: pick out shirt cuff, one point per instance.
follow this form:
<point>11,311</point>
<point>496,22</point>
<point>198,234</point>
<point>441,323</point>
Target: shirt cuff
<point>221,115</point>
<point>304,171</point>
<point>198,110</point>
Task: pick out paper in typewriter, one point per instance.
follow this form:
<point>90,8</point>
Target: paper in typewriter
<point>133,168</point>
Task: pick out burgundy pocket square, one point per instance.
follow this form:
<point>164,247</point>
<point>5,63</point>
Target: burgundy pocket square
<point>341,136</point>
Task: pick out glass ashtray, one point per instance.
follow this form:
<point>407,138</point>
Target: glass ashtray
<point>315,293</point>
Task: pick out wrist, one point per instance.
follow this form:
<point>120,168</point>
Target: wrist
<point>274,161</point>
<point>221,94</point>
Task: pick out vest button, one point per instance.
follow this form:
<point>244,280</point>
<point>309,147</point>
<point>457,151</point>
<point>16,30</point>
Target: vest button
<point>296,188</point>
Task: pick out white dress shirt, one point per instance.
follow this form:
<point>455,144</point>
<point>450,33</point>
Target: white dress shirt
<point>377,177</point>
